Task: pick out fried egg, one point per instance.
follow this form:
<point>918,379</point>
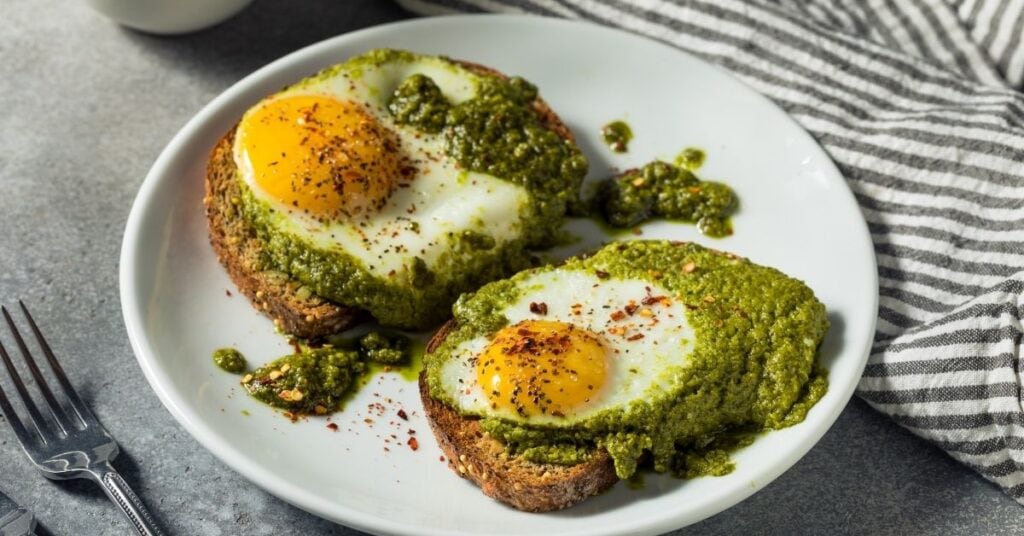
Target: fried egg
<point>337,171</point>
<point>576,343</point>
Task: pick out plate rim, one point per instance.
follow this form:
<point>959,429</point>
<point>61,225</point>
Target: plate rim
<point>134,314</point>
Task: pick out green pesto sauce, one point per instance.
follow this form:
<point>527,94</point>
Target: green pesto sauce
<point>409,369</point>
<point>664,190</point>
<point>414,298</point>
<point>690,158</point>
<point>313,381</point>
<point>384,349</point>
<point>229,360</point>
<point>326,376</point>
<point>418,101</point>
<point>753,367</point>
<point>497,132</point>
<point>567,454</point>
<point>616,136</point>
<point>356,66</point>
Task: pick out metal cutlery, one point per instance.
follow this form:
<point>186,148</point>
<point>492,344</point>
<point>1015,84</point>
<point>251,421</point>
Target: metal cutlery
<point>15,520</point>
<point>68,441</point>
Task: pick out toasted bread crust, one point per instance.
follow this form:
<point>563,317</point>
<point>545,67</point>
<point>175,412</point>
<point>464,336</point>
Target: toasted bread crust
<point>296,311</point>
<point>528,486</point>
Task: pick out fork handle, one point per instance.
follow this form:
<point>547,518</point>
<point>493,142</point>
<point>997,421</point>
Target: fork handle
<point>122,495</point>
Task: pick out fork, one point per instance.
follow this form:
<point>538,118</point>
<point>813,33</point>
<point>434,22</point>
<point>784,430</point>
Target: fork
<point>72,443</point>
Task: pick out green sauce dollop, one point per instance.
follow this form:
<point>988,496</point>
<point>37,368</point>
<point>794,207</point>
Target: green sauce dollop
<point>385,349</point>
<point>229,360</point>
<point>660,189</point>
<point>499,132</point>
<point>418,101</point>
<point>318,380</point>
<point>616,136</point>
<point>313,381</point>
<point>690,158</point>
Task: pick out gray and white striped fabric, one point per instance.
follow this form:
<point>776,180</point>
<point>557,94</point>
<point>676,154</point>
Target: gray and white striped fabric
<point>919,103</point>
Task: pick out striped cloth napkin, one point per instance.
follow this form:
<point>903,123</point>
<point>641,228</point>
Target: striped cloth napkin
<point>919,104</point>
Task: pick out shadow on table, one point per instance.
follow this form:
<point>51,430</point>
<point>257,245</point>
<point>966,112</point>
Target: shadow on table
<point>264,32</point>
<point>88,491</point>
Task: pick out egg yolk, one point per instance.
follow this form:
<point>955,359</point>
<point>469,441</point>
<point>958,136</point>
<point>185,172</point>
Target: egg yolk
<point>327,157</point>
<point>543,367</point>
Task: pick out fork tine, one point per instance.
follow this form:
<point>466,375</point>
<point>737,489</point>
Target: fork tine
<point>8,411</point>
<point>55,410</point>
<point>34,416</point>
<point>83,411</point>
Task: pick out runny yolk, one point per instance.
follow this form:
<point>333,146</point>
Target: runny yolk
<point>327,157</point>
<point>543,367</point>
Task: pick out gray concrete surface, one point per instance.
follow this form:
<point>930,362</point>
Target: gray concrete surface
<point>86,106</point>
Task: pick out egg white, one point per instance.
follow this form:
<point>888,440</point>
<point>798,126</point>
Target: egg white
<point>639,370</point>
<point>440,199</point>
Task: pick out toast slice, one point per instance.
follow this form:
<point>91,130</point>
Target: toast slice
<point>294,309</point>
<point>525,485</point>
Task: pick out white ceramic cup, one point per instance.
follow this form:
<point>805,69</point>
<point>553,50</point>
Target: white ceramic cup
<point>168,16</point>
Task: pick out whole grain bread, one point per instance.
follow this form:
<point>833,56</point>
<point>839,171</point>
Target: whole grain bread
<point>528,486</point>
<point>294,309</point>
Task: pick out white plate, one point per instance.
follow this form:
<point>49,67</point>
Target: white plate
<point>797,215</point>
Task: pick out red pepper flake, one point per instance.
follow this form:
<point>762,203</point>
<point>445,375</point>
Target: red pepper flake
<point>651,300</point>
<point>227,292</point>
<point>332,426</point>
<point>618,315</point>
<point>539,308</point>
<point>601,274</point>
<point>403,415</point>
<point>631,307</point>
<point>636,337</point>
<point>440,459</point>
<point>413,444</point>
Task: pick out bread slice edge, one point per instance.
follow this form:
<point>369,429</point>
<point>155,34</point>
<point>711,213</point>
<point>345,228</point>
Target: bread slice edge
<point>472,454</point>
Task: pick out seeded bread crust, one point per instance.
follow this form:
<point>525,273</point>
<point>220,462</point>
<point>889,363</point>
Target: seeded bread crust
<point>294,309</point>
<point>528,486</point>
